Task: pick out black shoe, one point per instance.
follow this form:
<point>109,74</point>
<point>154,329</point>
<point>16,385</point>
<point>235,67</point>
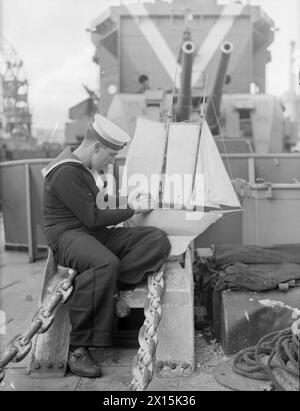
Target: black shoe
<point>81,363</point>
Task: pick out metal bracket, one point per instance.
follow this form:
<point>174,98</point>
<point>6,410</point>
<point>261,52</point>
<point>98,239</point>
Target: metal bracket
<point>269,193</point>
<point>48,369</point>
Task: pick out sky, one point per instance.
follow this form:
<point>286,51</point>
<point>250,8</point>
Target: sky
<point>51,38</point>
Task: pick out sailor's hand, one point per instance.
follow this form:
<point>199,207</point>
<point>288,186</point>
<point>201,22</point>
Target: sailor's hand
<point>143,203</point>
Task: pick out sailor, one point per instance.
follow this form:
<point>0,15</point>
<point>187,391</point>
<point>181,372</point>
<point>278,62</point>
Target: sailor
<point>144,83</point>
<point>80,236</point>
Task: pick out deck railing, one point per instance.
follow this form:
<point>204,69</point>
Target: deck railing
<point>21,186</point>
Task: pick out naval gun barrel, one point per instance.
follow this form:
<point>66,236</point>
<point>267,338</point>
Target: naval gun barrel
<point>214,104</point>
<point>185,95</point>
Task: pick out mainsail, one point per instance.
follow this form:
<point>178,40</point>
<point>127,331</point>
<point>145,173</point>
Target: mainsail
<point>205,182</point>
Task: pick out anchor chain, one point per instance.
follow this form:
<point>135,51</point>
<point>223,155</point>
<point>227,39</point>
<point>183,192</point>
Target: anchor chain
<point>21,345</point>
<point>142,365</point>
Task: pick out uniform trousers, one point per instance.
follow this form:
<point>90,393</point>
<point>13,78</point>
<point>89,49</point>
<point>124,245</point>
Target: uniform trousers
<point>105,260</point>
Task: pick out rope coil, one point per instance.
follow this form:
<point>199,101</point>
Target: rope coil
<point>275,358</point>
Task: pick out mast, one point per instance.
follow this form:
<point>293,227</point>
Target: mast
<point>167,130</point>
<point>202,118</point>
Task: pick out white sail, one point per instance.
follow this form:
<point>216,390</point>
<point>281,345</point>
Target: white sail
<point>146,151</point>
<point>180,163</point>
<point>217,184</point>
<point>146,154</point>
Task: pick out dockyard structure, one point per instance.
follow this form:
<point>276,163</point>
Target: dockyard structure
<point>15,116</point>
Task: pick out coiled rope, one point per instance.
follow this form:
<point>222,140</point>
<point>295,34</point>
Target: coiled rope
<point>275,358</point>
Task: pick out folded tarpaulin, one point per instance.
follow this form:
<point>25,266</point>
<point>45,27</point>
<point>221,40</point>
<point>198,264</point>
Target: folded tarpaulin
<point>257,277</point>
<point>278,254</point>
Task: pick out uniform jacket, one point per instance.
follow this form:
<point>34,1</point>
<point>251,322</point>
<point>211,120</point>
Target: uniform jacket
<point>69,199</point>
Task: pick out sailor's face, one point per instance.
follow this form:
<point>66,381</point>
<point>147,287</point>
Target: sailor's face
<point>102,157</point>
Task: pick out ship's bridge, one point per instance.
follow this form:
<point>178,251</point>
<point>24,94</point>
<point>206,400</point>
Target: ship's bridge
<point>145,38</point>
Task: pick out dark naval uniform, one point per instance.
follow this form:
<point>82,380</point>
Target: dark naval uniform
<point>78,234</point>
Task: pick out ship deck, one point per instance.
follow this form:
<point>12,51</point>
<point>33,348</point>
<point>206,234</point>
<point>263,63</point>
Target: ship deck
<point>20,285</point>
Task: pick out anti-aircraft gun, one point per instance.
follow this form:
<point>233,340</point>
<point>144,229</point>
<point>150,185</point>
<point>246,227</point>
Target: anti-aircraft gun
<point>244,122</point>
<point>214,102</point>
<point>187,51</point>
<point>184,101</point>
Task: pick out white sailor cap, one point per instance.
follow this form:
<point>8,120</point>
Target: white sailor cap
<point>109,134</point>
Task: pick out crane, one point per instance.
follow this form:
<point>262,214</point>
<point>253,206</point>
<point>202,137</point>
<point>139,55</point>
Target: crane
<point>15,116</point>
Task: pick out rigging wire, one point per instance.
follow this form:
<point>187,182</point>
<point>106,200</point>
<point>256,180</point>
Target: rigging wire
<point>222,137</point>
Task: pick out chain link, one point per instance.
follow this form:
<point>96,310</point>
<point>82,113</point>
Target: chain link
<point>9,355</point>
<point>21,345</point>
<point>142,365</point>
